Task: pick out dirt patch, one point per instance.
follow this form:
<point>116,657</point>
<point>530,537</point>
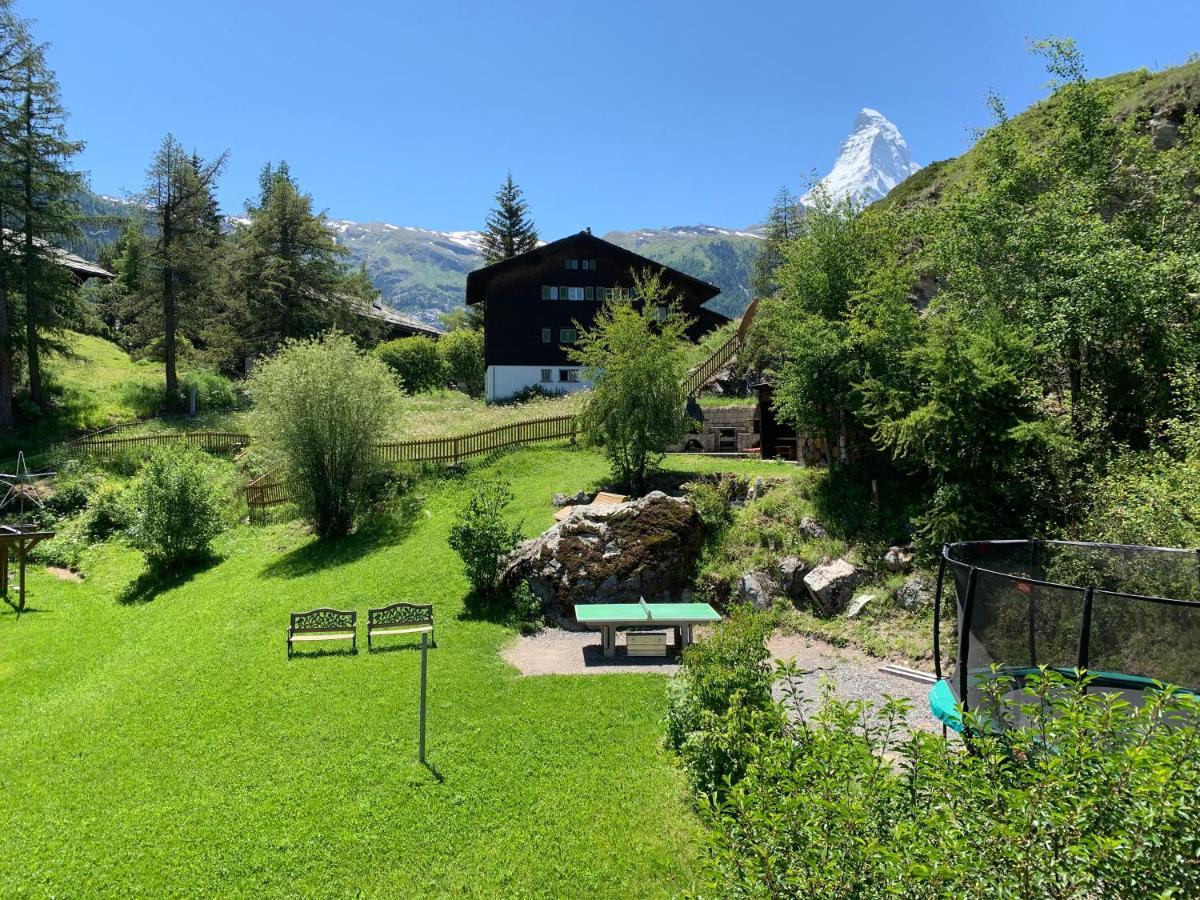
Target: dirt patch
<point>64,574</point>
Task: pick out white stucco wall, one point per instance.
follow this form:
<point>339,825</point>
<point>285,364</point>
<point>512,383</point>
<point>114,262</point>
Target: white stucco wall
<point>502,382</point>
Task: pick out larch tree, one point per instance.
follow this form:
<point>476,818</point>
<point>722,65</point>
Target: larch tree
<point>509,230</point>
<point>37,206</point>
<point>184,253</point>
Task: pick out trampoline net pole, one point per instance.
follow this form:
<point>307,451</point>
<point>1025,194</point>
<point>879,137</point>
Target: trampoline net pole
<point>964,636</point>
<point>937,616</point>
<point>1085,629</point>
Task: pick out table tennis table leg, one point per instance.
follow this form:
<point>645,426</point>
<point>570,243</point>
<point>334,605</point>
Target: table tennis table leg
<point>609,640</point>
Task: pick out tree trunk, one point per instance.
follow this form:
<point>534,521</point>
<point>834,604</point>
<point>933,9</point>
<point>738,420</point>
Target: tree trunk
<point>32,351</point>
<point>172,376</point>
<point>7,423</point>
<point>1075,374</point>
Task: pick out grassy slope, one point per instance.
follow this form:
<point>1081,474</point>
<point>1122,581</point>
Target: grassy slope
<point>170,747</point>
<point>1136,94</point>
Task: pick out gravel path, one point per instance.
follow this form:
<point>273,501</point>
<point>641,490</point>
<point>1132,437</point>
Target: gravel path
<point>855,674</point>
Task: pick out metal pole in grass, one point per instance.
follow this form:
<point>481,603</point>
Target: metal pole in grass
<point>421,740</point>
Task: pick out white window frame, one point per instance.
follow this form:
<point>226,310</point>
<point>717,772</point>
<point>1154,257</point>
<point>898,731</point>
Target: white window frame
<point>562,335</point>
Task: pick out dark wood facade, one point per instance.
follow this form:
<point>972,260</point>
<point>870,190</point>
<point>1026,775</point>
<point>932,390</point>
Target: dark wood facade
<point>529,322</point>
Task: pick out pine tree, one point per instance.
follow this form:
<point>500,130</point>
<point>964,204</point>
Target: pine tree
<point>783,225</point>
<point>289,277</point>
<point>183,262</point>
<point>38,207</point>
<point>509,230</point>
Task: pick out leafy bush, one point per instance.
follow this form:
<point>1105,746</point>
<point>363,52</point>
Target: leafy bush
<point>636,363</point>
<point>1095,798</point>
<point>481,536</point>
<point>66,548</point>
<point>712,503</point>
<point>415,360</point>
<point>1147,498</point>
<point>177,511</point>
<point>71,492</point>
<point>526,608</point>
<point>213,391</point>
<point>729,670</point>
<point>108,512</point>
<point>462,359</point>
<point>321,406</point>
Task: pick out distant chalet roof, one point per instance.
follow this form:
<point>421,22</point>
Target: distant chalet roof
<point>77,265</point>
<point>477,281</point>
<point>399,322</point>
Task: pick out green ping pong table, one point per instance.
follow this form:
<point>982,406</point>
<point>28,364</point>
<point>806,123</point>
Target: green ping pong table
<point>611,616</point>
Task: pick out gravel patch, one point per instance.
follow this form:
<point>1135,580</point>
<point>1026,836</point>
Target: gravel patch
<point>553,651</point>
<point>855,676</point>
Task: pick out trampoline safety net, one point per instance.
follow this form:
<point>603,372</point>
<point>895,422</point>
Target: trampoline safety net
<point>1129,615</point>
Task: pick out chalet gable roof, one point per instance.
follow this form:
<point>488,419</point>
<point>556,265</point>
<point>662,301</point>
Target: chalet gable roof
<point>477,281</point>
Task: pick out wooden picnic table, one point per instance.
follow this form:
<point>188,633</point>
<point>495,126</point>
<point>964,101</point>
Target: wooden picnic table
<point>608,617</point>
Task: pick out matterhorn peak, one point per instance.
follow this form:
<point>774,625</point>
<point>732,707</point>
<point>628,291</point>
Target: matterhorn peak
<point>873,160</point>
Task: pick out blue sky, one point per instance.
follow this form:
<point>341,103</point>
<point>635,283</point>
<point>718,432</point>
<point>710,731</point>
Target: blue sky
<point>617,115</point>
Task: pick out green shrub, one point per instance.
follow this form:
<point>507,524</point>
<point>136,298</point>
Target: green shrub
<point>712,502</point>
<point>108,512</point>
<point>66,548</point>
<point>71,492</point>
<point>213,391</point>
<point>415,360</point>
<point>462,359</point>
<point>320,407</point>
<point>1096,798</point>
<point>1148,498</point>
<point>526,608</point>
<point>481,536</point>
<point>728,670</point>
<point>177,511</point>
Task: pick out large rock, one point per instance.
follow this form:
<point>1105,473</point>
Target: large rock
<point>611,554</point>
<point>757,588</point>
<point>898,559</point>
<point>792,570</point>
<point>858,604</point>
<point>812,529</point>
<point>830,586</point>
<point>916,592</point>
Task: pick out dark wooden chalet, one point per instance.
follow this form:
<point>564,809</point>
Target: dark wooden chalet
<point>531,303</point>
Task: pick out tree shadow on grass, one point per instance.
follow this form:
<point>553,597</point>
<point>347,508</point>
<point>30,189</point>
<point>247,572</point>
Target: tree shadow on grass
<point>151,582</point>
<point>479,608</point>
<point>379,532</point>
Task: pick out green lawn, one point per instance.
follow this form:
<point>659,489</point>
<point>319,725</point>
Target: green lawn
<point>169,747</point>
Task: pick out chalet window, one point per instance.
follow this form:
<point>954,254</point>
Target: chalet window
<point>545,335</point>
<point>575,293</point>
<point>568,375</point>
<point>546,373</point>
<point>661,313</point>
<point>570,264</point>
<point>566,335</point>
<point>549,292</point>
<point>588,293</point>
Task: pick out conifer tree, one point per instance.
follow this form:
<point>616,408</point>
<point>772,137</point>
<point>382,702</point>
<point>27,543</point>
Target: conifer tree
<point>182,264</point>
<point>510,229</point>
<point>783,224</point>
<point>289,276</point>
<point>37,205</point>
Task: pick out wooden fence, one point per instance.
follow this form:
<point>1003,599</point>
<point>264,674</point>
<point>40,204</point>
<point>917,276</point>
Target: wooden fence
<point>268,490</point>
<point>213,441</point>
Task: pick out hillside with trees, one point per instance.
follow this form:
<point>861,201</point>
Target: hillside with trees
<point>1009,343</point>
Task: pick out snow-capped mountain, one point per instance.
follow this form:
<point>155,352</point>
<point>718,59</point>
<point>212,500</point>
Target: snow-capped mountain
<point>873,160</point>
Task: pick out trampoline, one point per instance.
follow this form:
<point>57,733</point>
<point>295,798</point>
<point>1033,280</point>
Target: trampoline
<point>1128,615</point>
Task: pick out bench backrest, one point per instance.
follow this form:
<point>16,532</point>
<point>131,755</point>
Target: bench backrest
<point>324,619</point>
<point>401,614</point>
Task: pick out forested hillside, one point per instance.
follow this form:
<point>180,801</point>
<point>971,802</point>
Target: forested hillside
<point>1010,343</point>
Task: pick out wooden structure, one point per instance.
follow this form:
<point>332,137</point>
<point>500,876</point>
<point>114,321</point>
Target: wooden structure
<point>396,324</point>
<point>646,643</point>
<point>323,624</point>
<point>270,490</point>
<point>213,441</point>
<point>18,540</point>
<point>601,499</point>
<point>400,618</point>
<point>532,304</point>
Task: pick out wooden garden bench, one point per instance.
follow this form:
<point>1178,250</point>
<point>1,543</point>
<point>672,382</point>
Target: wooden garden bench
<point>323,625</point>
<point>400,618</point>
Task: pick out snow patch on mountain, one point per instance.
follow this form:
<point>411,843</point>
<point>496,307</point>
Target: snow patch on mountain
<point>873,160</point>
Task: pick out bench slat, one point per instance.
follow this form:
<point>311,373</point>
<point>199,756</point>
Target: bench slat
<point>383,630</point>
<point>322,636</point>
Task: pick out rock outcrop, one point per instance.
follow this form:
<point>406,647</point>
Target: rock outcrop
<point>758,588</point>
<point>792,570</point>
<point>611,554</point>
<point>916,592</point>
<point>830,586</point>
